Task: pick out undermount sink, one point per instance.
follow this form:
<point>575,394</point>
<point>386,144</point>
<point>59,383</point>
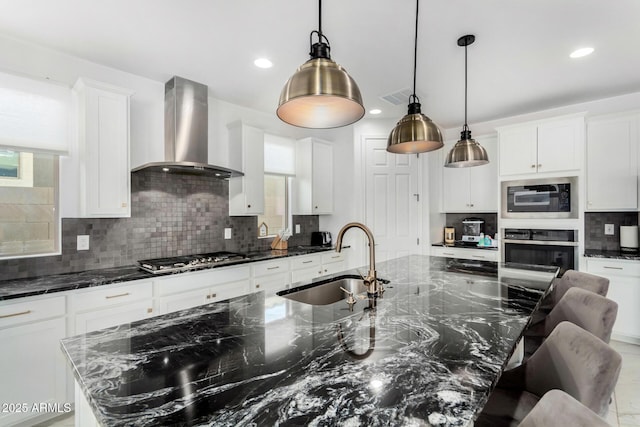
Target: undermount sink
<point>327,291</point>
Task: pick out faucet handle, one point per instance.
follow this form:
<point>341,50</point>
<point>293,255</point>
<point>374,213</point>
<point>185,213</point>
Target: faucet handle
<point>350,299</point>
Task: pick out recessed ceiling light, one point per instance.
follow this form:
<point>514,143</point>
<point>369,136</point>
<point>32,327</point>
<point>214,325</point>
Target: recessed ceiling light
<point>581,52</point>
<point>375,111</point>
<point>263,63</point>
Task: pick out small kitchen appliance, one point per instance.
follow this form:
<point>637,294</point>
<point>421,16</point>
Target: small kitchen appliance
<point>449,235</point>
<point>321,238</point>
<point>629,238</point>
<point>540,198</point>
<point>472,228</point>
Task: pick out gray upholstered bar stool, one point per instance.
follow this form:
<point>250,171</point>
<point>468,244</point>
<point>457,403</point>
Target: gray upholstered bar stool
<point>570,359</point>
<point>571,279</point>
<point>557,408</point>
<point>581,307</point>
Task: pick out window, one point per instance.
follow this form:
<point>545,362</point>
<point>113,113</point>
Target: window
<point>34,131</point>
<point>279,168</point>
<point>28,203</point>
<point>276,217</point>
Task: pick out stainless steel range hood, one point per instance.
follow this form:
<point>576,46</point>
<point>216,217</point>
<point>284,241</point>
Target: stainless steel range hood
<point>186,132</point>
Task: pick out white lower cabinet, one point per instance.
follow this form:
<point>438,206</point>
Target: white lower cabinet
<point>333,262</point>
<point>465,253</point>
<point>305,268</point>
<point>624,288</point>
<point>183,291</point>
<point>111,305</point>
<point>270,276</point>
<point>32,366</point>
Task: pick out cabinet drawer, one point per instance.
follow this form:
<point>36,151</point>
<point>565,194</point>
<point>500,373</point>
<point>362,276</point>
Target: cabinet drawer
<point>304,262</point>
<point>479,254</point>
<point>270,267</point>
<point>332,256</point>
<point>606,267</point>
<point>190,281</point>
<point>112,295</point>
<point>27,311</point>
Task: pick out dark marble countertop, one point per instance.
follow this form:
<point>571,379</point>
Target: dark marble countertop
<point>427,353</point>
<point>20,288</point>
<point>596,253</point>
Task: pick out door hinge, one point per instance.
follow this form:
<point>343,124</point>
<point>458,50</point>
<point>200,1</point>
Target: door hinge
<point>417,196</point>
<point>418,241</point>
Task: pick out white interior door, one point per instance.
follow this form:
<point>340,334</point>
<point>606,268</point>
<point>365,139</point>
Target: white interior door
<point>392,207</point>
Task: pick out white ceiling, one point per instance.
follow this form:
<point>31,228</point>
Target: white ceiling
<point>518,64</point>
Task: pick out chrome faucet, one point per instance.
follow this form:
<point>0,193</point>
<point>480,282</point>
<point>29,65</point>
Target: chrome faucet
<point>371,280</point>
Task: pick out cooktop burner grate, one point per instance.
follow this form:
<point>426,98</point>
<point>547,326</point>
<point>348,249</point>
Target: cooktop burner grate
<point>188,262</point>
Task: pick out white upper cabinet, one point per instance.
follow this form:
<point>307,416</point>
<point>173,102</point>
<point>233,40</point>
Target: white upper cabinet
<point>473,189</point>
<point>542,147</point>
<point>612,162</point>
<point>313,184</point>
<point>246,153</point>
<point>103,140</point>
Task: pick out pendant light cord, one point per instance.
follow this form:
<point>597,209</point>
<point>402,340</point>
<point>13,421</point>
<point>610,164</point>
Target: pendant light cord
<point>465,127</point>
<point>415,57</point>
<point>320,19</point>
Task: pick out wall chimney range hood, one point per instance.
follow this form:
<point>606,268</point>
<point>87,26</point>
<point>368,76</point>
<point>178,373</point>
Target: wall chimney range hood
<point>186,132</point>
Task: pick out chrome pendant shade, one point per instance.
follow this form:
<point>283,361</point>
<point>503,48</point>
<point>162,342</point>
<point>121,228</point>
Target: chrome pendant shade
<point>415,132</point>
<point>466,152</point>
<point>320,94</point>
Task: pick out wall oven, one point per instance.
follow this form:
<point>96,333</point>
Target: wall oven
<point>541,247</point>
<point>540,198</point>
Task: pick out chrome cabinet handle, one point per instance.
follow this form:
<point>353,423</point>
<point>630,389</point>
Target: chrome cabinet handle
<point>613,268</point>
<point>533,166</point>
<point>258,286</point>
<point>539,165</point>
<point>307,262</point>
<point>117,296</point>
<point>447,253</point>
<point>15,314</point>
<point>273,268</point>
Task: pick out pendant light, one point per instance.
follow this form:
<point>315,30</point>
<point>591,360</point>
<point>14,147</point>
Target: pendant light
<point>467,152</point>
<point>320,94</point>
<point>415,132</point>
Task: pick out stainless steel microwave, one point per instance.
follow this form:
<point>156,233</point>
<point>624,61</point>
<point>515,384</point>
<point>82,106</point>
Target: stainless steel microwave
<point>540,198</point>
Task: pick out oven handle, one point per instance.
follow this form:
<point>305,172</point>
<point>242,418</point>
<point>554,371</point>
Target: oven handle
<point>540,242</point>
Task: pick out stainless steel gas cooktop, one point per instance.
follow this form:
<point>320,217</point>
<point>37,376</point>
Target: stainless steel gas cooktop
<point>188,262</point>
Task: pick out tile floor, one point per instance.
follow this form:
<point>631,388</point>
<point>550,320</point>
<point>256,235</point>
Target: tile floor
<point>623,412</point>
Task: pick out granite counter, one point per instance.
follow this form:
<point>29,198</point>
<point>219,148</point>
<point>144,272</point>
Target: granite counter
<point>20,288</point>
<point>427,353</point>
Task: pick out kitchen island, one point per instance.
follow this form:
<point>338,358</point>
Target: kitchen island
<point>427,353</point>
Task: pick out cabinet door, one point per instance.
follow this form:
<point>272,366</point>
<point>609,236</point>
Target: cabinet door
<point>183,301</point>
<point>483,180</point>
<point>626,292</point>
<point>518,150</point>
<point>612,163</point>
<point>104,150</point>
<point>32,367</point>
<point>559,145</point>
<point>246,152</point>
<point>105,318</point>
<point>271,284</point>
<point>322,181</point>
<point>455,189</point>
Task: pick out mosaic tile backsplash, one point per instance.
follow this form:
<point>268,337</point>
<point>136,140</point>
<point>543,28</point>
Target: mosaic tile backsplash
<point>171,215</point>
<point>594,229</point>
